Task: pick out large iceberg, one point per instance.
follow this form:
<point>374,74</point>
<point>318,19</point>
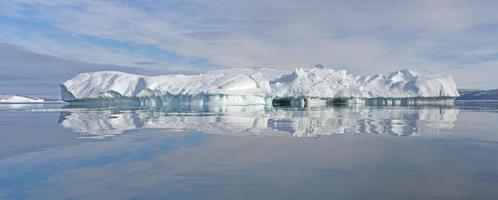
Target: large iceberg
<point>227,87</point>
<point>301,87</point>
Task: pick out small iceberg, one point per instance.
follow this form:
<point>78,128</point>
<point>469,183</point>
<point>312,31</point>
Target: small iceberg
<point>16,99</point>
<point>301,87</point>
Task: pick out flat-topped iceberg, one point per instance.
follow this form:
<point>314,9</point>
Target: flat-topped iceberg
<point>10,98</point>
<point>303,86</point>
<point>227,87</point>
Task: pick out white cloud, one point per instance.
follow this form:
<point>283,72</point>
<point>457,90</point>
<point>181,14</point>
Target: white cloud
<point>365,37</point>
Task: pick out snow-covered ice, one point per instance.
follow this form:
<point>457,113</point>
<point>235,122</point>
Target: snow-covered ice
<point>330,83</point>
<point>10,98</point>
<point>227,87</point>
<point>259,87</point>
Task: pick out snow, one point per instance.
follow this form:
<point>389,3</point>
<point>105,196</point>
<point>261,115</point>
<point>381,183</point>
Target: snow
<point>315,82</point>
<point>248,86</point>
<point>10,98</point>
<point>409,83</point>
<point>255,86</point>
<point>330,83</point>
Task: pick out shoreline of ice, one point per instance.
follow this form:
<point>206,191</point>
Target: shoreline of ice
<point>301,87</point>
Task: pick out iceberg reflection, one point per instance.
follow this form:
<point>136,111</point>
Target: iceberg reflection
<point>258,120</point>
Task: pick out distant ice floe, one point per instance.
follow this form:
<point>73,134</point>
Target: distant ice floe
<point>16,99</point>
<point>300,87</point>
<point>258,121</point>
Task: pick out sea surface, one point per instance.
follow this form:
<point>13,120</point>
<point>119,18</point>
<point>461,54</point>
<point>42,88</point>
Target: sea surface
<point>56,151</point>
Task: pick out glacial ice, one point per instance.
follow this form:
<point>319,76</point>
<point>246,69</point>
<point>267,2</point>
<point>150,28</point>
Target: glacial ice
<point>11,99</point>
<point>301,87</point>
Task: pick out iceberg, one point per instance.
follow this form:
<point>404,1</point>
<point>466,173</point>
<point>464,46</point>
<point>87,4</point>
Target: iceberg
<point>225,87</point>
<point>16,99</point>
<point>300,87</point>
<point>311,86</point>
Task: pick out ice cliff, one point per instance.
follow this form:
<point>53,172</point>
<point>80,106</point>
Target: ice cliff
<point>302,86</point>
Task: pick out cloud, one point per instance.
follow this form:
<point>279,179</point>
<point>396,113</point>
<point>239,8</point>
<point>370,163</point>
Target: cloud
<point>27,73</point>
<point>449,37</point>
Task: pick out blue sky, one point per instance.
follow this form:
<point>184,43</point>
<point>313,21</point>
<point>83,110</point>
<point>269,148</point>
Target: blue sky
<point>449,37</point>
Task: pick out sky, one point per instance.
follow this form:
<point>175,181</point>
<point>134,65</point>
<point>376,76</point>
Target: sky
<point>451,37</point>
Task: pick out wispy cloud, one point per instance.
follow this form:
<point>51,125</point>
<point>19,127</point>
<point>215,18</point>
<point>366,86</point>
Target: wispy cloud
<point>451,37</point>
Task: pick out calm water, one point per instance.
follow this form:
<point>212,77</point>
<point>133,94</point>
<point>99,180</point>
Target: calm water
<point>60,152</point>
